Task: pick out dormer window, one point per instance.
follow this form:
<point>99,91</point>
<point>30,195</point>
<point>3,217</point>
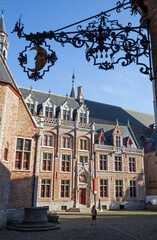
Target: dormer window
<point>66,115</point>
<point>49,112</point>
<point>118,141</point>
<point>31,107</point>
<point>83,117</point>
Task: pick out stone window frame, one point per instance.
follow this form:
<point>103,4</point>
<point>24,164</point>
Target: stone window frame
<point>22,151</point>
<point>83,162</point>
<point>70,163</point>
<point>63,179</point>
<point>49,111</point>
<point>117,187</point>
<point>67,136</point>
<point>131,166</point>
<point>87,144</point>
<point>133,187</point>
<point>48,134</point>
<point>50,188</point>
<point>50,104</point>
<point>31,101</point>
<point>51,161</point>
<point>104,185</point>
<point>107,162</point>
<point>121,165</point>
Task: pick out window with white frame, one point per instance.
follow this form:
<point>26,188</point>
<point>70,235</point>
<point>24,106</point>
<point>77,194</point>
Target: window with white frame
<point>83,117</point>
<point>118,163</point>
<point>118,141</point>
<point>65,165</point>
<point>49,112</point>
<point>31,107</point>
<point>83,159</point>
<point>102,162</point>
<point>47,162</point>
<point>45,188</point>
<point>65,188</point>
<point>66,115</point>
<point>48,140</point>
<point>66,142</point>
<point>83,144</point>
<point>23,152</point>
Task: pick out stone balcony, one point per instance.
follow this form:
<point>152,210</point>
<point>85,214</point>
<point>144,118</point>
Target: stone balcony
<point>122,150</point>
<point>44,121</point>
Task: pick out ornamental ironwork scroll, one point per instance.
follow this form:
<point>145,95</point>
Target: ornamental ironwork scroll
<point>106,43</point>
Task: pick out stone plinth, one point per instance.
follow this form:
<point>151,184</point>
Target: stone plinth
<point>35,219</point>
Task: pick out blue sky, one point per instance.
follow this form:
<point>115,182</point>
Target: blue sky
<point>125,86</point>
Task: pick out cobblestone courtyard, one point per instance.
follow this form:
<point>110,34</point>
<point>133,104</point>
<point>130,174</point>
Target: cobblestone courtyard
<point>78,227</point>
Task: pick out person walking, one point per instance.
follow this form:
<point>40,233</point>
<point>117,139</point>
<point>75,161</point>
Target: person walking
<point>94,213</point>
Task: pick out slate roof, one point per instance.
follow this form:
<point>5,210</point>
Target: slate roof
<point>108,130</point>
<point>107,114</point>
<point>4,75</point>
<point>99,113</point>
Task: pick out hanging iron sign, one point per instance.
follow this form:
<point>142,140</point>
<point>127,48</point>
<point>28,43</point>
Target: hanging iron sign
<point>106,43</point>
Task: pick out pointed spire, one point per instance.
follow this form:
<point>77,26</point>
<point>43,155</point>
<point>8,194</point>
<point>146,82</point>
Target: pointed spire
<point>2,25</point>
<point>72,94</point>
<point>4,44</point>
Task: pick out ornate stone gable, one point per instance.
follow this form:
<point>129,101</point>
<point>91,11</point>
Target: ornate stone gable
<point>117,136</point>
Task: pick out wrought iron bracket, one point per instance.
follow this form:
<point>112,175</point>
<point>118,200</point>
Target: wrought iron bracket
<point>106,43</point>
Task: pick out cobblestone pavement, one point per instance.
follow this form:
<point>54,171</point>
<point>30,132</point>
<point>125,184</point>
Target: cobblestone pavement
<point>80,228</point>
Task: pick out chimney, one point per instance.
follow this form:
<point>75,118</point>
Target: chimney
<point>80,96</point>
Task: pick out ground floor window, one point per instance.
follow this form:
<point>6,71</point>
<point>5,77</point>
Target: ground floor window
<point>45,188</point>
<point>119,188</point>
<point>65,188</point>
<point>132,188</point>
<point>103,188</point>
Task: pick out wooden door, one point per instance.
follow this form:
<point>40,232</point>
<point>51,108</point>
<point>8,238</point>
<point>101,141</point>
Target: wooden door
<point>82,196</point>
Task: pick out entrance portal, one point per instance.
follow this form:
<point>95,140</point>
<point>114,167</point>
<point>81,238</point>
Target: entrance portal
<point>82,196</point>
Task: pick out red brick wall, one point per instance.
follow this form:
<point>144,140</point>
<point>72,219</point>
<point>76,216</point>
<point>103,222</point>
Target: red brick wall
<point>16,122</point>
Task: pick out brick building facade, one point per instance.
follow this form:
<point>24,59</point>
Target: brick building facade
<point>64,152</point>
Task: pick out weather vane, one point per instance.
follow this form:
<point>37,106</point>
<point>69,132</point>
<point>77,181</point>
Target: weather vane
<point>104,40</point>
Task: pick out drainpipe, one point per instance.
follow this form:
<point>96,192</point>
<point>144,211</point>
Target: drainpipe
<point>95,190</point>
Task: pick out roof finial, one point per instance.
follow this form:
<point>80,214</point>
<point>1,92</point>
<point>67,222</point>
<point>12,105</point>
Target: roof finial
<point>73,76</point>
<point>72,94</point>
<point>31,88</point>
<point>49,92</point>
<point>2,9</point>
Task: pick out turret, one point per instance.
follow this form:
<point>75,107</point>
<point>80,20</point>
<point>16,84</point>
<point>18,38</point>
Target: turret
<point>4,44</point>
